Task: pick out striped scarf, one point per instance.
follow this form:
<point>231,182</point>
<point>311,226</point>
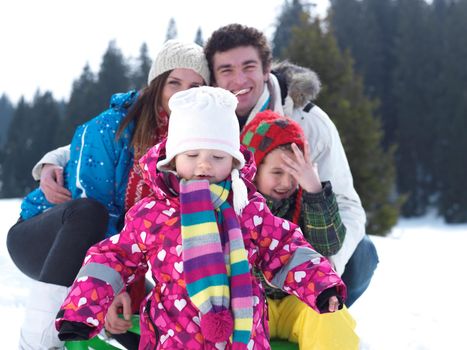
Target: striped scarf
<point>208,267</point>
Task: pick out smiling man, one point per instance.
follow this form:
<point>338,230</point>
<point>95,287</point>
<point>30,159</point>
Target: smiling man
<point>240,60</point>
<point>241,71</point>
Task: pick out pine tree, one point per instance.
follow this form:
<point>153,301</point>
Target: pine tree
<point>140,74</point>
<point>6,113</point>
<point>199,37</point>
<point>367,29</point>
<point>415,99</point>
<point>171,30</point>
<point>451,132</point>
<point>361,133</point>
<point>2,161</point>
<point>287,19</point>
<point>420,46</point>
<point>19,142</point>
<point>113,75</point>
<point>395,50</point>
<point>29,137</point>
<point>91,95</point>
<point>82,106</point>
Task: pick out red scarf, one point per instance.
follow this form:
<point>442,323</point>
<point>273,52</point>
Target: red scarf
<point>137,189</point>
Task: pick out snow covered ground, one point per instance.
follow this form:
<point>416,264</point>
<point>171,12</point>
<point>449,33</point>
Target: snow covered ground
<point>415,301</point>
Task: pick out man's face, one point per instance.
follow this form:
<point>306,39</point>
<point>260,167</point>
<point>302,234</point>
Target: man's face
<point>241,69</point>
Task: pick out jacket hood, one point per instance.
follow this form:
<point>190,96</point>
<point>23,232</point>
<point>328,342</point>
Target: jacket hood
<point>165,184</point>
<point>123,99</point>
<point>302,84</point>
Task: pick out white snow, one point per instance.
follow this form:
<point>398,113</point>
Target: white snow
<point>415,301</point>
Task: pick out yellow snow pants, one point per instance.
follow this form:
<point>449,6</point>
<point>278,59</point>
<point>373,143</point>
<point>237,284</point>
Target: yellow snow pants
<point>293,320</point>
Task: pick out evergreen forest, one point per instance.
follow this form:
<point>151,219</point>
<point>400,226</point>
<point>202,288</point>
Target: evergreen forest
<point>393,82</point>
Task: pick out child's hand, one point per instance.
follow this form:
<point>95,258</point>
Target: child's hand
<point>333,304</point>
<point>304,171</point>
<point>113,323</point>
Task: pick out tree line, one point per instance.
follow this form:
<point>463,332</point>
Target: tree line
<point>412,54</point>
<point>392,81</point>
<point>35,127</point>
<point>30,129</point>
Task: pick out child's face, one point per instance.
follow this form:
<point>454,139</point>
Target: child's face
<point>271,180</point>
<point>204,164</point>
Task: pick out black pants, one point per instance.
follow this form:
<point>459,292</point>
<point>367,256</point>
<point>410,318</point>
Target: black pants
<point>51,247</point>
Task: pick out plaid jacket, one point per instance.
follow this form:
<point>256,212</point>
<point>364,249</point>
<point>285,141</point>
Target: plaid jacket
<point>319,220</point>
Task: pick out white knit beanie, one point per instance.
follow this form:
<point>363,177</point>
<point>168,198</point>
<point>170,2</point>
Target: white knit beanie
<point>204,118</point>
<point>179,54</point>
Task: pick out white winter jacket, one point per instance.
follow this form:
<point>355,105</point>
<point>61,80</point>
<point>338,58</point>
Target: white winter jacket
<point>325,146</point>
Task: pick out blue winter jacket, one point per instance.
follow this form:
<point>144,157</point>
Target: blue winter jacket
<point>99,164</point>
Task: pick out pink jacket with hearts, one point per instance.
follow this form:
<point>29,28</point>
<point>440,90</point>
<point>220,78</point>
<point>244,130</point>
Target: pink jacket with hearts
<point>152,239</point>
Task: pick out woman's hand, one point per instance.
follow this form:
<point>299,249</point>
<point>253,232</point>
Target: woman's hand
<point>115,324</point>
<point>302,168</point>
<point>51,183</point>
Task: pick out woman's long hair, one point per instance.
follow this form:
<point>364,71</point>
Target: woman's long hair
<point>145,112</point>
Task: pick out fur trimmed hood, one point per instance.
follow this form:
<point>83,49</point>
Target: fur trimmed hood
<point>302,83</point>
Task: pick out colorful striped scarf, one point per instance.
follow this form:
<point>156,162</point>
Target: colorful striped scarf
<point>218,280</point>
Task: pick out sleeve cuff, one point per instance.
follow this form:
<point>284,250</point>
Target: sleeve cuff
<point>322,302</point>
<point>325,193</point>
<point>70,330</point>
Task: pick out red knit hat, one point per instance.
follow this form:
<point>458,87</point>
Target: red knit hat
<point>269,130</point>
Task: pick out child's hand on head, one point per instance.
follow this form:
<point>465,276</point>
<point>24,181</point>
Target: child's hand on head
<point>304,171</point>
<point>333,304</point>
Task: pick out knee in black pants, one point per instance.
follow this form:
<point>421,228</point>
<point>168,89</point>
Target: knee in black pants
<point>88,213</point>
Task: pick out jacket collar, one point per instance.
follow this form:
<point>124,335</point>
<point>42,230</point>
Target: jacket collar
<point>269,99</point>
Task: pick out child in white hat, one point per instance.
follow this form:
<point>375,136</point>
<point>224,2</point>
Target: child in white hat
<point>201,232</point>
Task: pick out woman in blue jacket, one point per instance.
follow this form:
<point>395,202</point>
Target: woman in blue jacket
<point>49,241</point>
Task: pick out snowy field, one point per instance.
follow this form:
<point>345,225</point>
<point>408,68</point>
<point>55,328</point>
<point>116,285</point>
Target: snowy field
<point>416,299</point>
